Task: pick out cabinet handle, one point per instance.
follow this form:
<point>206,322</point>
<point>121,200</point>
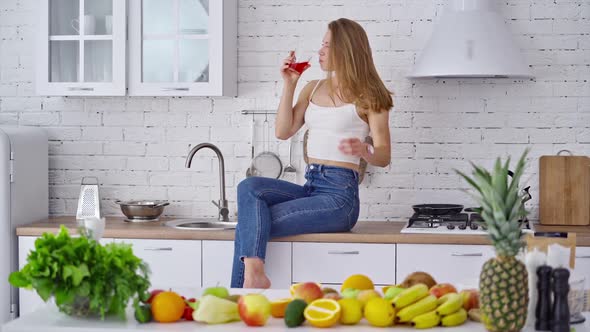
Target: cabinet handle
<point>159,249</point>
<point>337,252</point>
<point>175,89</point>
<point>78,88</point>
<point>475,254</point>
<point>584,256</point>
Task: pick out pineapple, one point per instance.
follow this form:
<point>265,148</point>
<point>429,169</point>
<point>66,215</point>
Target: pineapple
<point>503,280</point>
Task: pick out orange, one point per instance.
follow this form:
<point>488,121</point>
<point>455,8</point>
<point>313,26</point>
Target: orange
<point>323,313</point>
<point>278,307</point>
<point>167,307</point>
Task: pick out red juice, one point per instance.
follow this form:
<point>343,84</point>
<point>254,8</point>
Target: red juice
<point>299,66</point>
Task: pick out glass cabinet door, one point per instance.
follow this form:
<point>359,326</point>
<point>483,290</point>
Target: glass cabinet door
<point>82,47</point>
<point>177,46</point>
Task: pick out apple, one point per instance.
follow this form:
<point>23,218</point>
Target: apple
<point>365,295</point>
<point>153,294</point>
<point>392,292</point>
<point>219,291</point>
<point>308,291</point>
<point>350,293</point>
<point>254,309</point>
<point>439,290</point>
<point>470,299</point>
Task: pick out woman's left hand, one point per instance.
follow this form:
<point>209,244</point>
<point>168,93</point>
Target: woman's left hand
<point>353,147</point>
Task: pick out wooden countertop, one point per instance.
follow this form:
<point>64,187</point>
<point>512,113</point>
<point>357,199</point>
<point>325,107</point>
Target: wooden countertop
<point>363,232</point>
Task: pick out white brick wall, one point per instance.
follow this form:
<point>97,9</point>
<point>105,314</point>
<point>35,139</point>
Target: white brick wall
<point>137,146</point>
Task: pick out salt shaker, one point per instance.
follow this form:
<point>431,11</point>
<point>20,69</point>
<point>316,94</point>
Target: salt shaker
<point>561,312</point>
<point>543,312</point>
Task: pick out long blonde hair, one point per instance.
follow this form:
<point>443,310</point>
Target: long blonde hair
<point>350,59</point>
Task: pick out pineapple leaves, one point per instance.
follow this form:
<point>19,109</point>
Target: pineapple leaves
<point>500,201</point>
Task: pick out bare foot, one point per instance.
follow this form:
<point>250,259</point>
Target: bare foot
<point>254,276</point>
<point>256,281</point>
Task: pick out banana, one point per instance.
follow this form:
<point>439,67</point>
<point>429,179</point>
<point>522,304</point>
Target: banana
<point>409,296</point>
<point>449,303</point>
<point>418,308</point>
<point>426,321</point>
<point>454,319</point>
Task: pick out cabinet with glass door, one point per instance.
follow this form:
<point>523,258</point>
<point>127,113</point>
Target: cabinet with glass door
<point>81,50</point>
<point>182,47</point>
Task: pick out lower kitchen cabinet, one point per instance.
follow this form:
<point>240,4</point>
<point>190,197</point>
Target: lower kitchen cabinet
<point>28,299</point>
<point>459,265</point>
<point>173,263</point>
<point>217,263</point>
<point>331,263</point>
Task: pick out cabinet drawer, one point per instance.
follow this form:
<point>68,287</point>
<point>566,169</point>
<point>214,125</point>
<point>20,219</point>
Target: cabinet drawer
<point>456,264</point>
<point>218,258</point>
<point>334,262</point>
<point>582,268</point>
<point>174,263</point>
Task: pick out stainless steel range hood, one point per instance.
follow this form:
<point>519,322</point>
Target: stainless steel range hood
<point>471,40</point>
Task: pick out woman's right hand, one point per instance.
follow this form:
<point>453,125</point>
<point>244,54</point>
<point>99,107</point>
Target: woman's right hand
<point>289,75</point>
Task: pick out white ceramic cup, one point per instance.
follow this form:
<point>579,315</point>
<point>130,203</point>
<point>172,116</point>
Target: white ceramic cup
<point>108,24</point>
<point>95,227</point>
<point>89,24</point>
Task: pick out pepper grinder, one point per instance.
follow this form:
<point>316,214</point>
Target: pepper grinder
<point>543,312</point>
<point>561,311</point>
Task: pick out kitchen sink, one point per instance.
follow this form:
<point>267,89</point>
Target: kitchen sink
<point>203,224</point>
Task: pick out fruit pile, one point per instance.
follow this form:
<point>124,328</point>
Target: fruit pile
<point>418,301</point>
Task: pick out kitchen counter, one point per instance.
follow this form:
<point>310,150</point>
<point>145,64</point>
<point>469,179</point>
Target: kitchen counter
<point>48,319</point>
<point>363,232</point>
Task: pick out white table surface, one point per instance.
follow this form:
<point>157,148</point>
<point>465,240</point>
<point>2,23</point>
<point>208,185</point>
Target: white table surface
<point>49,319</point>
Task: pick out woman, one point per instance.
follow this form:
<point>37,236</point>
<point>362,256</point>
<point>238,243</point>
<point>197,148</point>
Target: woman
<point>339,111</point>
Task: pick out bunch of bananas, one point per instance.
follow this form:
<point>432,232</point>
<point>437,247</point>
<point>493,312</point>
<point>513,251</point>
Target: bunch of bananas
<point>416,306</point>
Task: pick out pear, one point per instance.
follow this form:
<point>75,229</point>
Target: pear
<point>215,310</point>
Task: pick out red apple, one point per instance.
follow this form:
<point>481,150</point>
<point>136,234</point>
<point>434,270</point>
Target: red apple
<point>254,309</point>
<point>153,294</point>
<point>308,291</point>
<point>439,290</point>
<point>470,299</point>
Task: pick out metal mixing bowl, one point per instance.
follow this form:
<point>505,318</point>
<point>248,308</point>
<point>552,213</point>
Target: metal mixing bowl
<point>142,210</point>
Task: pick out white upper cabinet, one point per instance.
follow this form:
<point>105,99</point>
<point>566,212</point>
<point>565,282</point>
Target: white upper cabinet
<point>182,48</point>
<point>81,48</point>
<point>148,47</point>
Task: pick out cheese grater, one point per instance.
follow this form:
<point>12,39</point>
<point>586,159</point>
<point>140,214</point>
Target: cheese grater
<point>89,200</point>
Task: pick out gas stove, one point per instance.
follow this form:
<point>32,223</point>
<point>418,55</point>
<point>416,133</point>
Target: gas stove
<point>463,223</point>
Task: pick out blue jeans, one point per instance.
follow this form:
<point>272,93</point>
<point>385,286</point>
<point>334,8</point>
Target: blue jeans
<point>328,202</point>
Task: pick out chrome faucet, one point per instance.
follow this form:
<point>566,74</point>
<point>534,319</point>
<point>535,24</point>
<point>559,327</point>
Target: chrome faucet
<point>222,204</point>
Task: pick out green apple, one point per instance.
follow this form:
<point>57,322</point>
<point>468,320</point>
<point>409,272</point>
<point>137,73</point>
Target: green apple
<point>350,293</point>
<point>219,291</point>
<point>392,292</point>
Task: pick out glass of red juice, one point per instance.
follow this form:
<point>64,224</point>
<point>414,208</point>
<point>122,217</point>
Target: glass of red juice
<point>300,66</point>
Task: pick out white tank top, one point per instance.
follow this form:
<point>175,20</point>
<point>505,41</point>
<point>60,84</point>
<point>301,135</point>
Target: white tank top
<point>328,126</point>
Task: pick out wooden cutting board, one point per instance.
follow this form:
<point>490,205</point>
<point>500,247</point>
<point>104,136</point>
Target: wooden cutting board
<point>564,185</point>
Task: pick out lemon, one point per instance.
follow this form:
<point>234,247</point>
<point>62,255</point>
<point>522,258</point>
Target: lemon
<point>323,313</point>
<point>357,281</point>
<point>351,311</point>
<point>379,312</point>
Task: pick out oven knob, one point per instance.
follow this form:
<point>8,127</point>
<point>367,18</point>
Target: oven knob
<point>463,226</point>
<point>473,226</point>
<point>449,226</point>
